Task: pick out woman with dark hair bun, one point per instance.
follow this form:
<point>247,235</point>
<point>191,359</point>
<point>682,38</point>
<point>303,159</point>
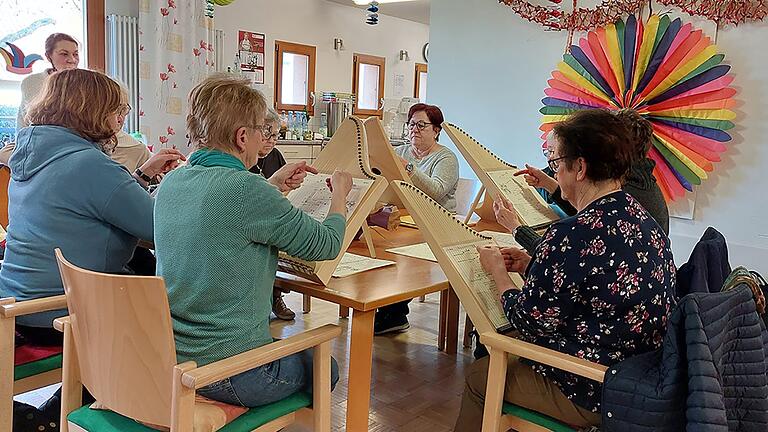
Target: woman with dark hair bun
<point>599,287</point>
<point>434,169</point>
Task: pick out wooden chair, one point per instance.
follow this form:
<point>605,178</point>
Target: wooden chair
<point>500,416</point>
<point>35,374</point>
<point>118,343</point>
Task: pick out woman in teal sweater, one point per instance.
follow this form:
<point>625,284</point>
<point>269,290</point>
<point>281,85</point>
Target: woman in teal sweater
<point>218,230</point>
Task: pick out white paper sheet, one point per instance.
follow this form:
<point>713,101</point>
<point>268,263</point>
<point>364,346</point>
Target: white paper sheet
<point>314,197</point>
<point>419,250</point>
<point>466,259</point>
<point>352,264</point>
<point>531,208</point>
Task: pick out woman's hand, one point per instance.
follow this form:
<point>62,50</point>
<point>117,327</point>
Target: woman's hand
<point>538,178</point>
<point>505,213</point>
<point>162,162</point>
<point>340,185</point>
<point>291,176</point>
<point>492,262</point>
<point>515,259</point>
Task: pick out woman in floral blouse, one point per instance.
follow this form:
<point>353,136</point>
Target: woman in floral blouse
<point>600,286</point>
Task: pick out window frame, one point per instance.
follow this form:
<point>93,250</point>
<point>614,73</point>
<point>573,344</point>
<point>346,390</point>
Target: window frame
<point>282,47</point>
<point>95,35</point>
<point>381,62</point>
<point>420,68</point>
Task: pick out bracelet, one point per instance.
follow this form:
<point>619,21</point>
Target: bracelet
<point>142,175</point>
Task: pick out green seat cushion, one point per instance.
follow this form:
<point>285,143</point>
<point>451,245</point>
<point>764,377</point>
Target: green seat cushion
<point>36,367</point>
<point>535,417</point>
<point>106,421</point>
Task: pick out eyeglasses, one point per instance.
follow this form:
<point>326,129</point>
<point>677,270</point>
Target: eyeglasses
<point>266,131</point>
<point>124,110</point>
<point>554,164</point>
<point>421,124</point>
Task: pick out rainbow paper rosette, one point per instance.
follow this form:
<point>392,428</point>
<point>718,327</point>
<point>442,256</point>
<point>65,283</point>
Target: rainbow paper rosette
<point>667,71</point>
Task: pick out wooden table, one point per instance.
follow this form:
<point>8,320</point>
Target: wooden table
<point>365,292</point>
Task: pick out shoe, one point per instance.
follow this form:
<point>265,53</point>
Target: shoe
<point>281,310</point>
<point>390,324</point>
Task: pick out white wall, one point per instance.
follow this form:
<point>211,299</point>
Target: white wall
<point>318,22</point>
<point>122,7</point>
<point>490,76</point>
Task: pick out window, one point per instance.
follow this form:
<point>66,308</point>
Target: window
<point>368,84</point>
<point>27,24</point>
<point>294,76</point>
<point>420,83</point>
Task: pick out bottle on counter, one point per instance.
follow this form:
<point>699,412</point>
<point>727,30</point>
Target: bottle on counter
<point>307,129</point>
<point>323,124</point>
<point>291,126</point>
<point>283,124</point>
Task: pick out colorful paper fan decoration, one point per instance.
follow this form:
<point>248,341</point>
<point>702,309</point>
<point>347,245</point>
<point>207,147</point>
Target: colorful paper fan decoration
<point>668,72</point>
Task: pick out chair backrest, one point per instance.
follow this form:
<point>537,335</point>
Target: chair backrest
<point>124,340</point>
<point>466,191</point>
<point>5,179</point>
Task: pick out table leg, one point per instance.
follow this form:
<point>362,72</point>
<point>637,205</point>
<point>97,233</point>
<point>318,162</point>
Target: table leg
<point>306,303</point>
<point>360,362</point>
<point>442,320</point>
<point>343,312</point>
<point>452,326</point>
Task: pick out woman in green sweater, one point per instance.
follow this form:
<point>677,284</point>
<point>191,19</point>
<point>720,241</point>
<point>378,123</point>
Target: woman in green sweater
<point>218,229</point>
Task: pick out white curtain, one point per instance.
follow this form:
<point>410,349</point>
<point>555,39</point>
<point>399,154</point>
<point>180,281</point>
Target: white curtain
<point>175,54</point>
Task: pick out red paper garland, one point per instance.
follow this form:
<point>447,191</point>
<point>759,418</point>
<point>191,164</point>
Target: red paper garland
<point>581,19</point>
<point>723,11</point>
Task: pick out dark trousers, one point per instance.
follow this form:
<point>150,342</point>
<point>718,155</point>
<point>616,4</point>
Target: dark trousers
<point>395,309</point>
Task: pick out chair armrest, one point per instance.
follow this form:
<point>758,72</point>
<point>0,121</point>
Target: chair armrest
<point>549,357</point>
<point>59,323</point>
<point>14,309</point>
<point>248,360</point>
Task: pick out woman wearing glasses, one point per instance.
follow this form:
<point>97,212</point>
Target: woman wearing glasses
<point>432,168</point>
<point>600,286</point>
<point>220,300</point>
<point>639,182</point>
<point>66,192</point>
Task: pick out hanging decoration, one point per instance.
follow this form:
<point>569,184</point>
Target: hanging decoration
<point>667,71</point>
<point>372,16</point>
<point>733,12</point>
<point>16,61</point>
<point>580,19</point>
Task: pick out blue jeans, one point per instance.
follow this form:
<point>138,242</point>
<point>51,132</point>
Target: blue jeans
<point>268,383</point>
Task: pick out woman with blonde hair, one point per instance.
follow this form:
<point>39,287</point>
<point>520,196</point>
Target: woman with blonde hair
<point>65,192</point>
<point>221,299</point>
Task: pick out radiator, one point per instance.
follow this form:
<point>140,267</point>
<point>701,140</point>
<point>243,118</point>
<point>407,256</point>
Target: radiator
<point>123,61</point>
<point>217,36</point>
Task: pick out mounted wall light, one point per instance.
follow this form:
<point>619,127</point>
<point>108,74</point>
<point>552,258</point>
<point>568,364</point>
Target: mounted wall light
<point>338,44</point>
<point>404,55</point>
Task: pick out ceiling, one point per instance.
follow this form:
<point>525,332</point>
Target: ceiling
<point>417,10</point>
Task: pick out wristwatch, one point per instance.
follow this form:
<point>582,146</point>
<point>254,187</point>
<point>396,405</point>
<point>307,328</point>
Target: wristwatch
<point>409,168</point>
<point>142,175</point>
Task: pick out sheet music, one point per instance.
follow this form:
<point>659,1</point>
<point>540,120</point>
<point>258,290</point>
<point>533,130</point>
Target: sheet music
<point>531,208</point>
<point>504,240</point>
<point>466,259</point>
<point>407,221</point>
<point>419,250</point>
<point>352,264</point>
<point>314,197</point>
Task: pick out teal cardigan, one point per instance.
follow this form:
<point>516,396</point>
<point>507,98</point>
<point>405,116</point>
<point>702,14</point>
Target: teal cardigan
<point>218,230</point>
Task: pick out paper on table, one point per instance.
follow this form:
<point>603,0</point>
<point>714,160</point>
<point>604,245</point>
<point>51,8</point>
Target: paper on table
<point>419,250</point>
<point>352,264</point>
<point>407,221</point>
<point>466,259</point>
<point>504,240</point>
<point>314,197</point>
<point>531,208</point>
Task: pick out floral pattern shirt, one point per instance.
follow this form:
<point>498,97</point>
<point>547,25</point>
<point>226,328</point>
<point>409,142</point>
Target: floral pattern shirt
<point>600,287</point>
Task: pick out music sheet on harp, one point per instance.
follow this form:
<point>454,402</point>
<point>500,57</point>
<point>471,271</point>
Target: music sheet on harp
<point>467,260</point>
<point>314,197</point>
<point>533,211</point>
